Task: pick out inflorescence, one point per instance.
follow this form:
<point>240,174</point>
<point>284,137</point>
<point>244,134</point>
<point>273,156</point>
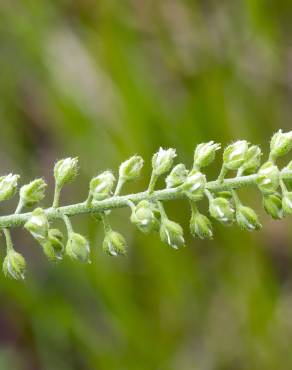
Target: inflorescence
<point>147,210</point>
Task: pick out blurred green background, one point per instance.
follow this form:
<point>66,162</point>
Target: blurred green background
<point>103,80</point>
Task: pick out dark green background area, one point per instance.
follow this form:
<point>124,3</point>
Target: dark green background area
<point>103,80</point>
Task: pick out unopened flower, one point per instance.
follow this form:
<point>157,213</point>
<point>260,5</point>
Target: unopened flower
<point>281,144</point>
<point>77,247</point>
<point>101,186</point>
<point>177,176</point>
<point>171,233</point>
<point>162,161</point>
<point>144,216</point>
<point>247,219</point>
<point>222,210</point>
<point>131,169</point>
<point>268,178</point>
<point>8,186</point>
<point>65,171</point>
<point>201,226</point>
<point>54,246</point>
<point>287,203</point>
<point>14,265</point>
<point>234,155</point>
<point>252,160</point>
<point>38,225</point>
<point>194,185</point>
<point>273,206</point>
<point>33,192</point>
<point>205,154</point>
<point>114,244</point>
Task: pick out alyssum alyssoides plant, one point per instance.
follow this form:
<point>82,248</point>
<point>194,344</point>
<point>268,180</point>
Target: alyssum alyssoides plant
<point>147,210</point>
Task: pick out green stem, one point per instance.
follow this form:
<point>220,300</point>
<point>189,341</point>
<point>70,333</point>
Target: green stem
<point>68,224</point>
<point>57,196</point>
<point>162,211</point>
<point>19,207</point>
<point>222,174</point>
<point>194,208</point>
<point>236,199</point>
<point>152,183</point>
<point>16,220</point>
<point>9,243</point>
<point>106,224</point>
<point>120,184</point>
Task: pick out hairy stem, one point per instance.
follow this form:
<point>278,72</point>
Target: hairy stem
<point>52,213</point>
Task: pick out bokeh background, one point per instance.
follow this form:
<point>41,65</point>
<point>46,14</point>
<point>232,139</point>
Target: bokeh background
<point>103,80</point>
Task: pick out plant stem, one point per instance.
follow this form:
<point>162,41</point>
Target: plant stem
<point>9,243</point>
<point>52,213</point>
<point>68,224</point>
<point>56,196</point>
<point>152,182</point>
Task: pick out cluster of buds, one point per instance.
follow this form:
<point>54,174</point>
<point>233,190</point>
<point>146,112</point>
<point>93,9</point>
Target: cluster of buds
<point>147,210</point>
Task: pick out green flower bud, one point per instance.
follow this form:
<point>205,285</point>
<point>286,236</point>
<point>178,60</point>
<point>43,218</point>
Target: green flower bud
<point>171,233</point>
<point>273,206</point>
<point>38,225</point>
<point>247,219</point>
<point>8,186</point>
<point>54,246</point>
<point>33,192</point>
<point>77,247</point>
<point>65,171</point>
<point>252,159</point>
<point>194,185</point>
<point>144,217</point>
<point>201,226</point>
<point>234,155</point>
<point>288,169</point>
<point>101,186</point>
<point>177,176</point>
<point>162,161</point>
<point>268,178</point>
<point>131,169</point>
<point>114,244</point>
<point>14,265</point>
<point>287,203</point>
<point>281,144</point>
<point>222,210</point>
<point>205,154</point>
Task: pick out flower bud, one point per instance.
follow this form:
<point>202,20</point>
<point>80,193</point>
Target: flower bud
<point>201,226</point>
<point>247,219</point>
<point>101,185</point>
<point>38,225</point>
<point>171,233</point>
<point>281,144</point>
<point>144,217</point>
<point>162,161</point>
<point>268,178</point>
<point>54,246</point>
<point>273,206</point>
<point>287,203</point>
<point>205,154</point>
<point>33,192</point>
<point>77,247</point>
<point>177,176</point>
<point>222,210</point>
<point>14,265</point>
<point>252,159</point>
<point>234,155</point>
<point>194,185</point>
<point>65,171</point>
<point>285,170</point>
<point>8,186</point>
<point>114,244</point>
<point>131,169</point>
